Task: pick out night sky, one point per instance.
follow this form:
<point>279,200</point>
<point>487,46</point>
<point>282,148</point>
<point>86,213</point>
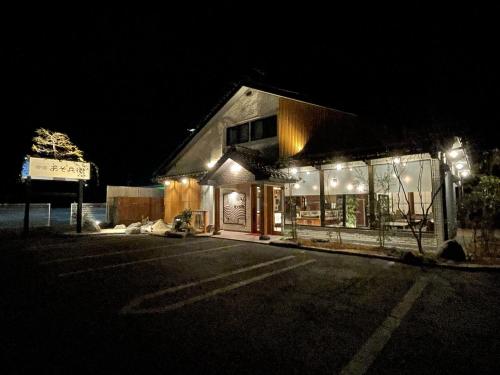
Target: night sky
<point>126,87</point>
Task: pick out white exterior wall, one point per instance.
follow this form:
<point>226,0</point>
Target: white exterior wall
<point>208,145</point>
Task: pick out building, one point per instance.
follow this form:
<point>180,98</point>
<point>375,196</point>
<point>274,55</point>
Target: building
<point>265,159</point>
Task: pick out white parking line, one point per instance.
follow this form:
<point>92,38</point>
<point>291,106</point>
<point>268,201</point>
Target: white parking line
<point>364,358</point>
<point>120,265</point>
<point>215,292</point>
<point>58,246</point>
<point>68,259</point>
<point>139,300</point>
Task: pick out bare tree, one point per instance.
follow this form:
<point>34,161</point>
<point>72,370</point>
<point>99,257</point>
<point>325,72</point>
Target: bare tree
<point>416,228</point>
<point>55,144</point>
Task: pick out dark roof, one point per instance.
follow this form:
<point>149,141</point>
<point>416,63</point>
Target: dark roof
<point>355,138</point>
<point>252,161</point>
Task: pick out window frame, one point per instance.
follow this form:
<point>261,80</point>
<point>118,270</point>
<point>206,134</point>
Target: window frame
<point>249,125</point>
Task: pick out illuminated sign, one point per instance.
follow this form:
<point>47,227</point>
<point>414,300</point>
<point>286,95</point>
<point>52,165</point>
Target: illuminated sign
<point>53,169</point>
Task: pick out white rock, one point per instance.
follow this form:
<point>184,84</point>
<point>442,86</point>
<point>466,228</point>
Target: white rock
<point>133,230</point>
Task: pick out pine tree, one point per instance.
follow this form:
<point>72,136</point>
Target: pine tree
<point>55,144</point>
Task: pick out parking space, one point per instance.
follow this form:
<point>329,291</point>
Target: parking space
<point>143,303</point>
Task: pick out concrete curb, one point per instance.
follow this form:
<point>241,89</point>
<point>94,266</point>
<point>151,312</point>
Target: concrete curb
<point>460,267</point>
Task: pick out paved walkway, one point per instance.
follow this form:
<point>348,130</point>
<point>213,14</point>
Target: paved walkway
<point>244,236</point>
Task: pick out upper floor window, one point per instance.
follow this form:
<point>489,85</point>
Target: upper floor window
<point>252,131</point>
<point>264,128</point>
<point>237,134</point>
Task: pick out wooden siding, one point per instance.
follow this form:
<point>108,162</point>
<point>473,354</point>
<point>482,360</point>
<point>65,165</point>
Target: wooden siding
<point>179,196</point>
<point>217,210</point>
<point>297,121</point>
<point>128,210</point>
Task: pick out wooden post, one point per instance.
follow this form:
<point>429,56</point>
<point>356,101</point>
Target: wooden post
<point>253,204</point>
<point>27,201</point>
<point>217,211</point>
<point>282,209</point>
<point>371,196</point>
<point>79,207</point>
<point>344,210</point>
<point>269,209</point>
<point>263,214</point>
<point>322,197</point>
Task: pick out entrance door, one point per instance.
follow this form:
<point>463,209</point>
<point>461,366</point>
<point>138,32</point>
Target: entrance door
<point>272,202</point>
<point>277,210</point>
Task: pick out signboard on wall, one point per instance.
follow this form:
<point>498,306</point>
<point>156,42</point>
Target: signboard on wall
<point>53,169</point>
<point>234,209</point>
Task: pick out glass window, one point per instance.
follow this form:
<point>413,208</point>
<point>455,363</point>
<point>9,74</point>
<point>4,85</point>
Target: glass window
<point>409,195</point>
<point>264,128</point>
<point>346,195</point>
<point>302,202</point>
<point>237,134</point>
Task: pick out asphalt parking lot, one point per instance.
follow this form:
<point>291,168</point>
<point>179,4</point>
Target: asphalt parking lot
<point>124,304</point>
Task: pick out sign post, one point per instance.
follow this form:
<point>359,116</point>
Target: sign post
<point>79,207</point>
<point>27,201</point>
<point>56,170</point>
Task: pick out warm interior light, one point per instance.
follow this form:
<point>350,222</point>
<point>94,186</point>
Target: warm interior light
<point>235,168</point>
<point>407,179</point>
<point>361,187</point>
<point>338,167</point>
<point>184,180</point>
<point>315,187</point>
<point>350,187</point>
<point>293,170</point>
<point>296,186</point>
<point>166,182</point>
<point>459,166</point>
<point>211,164</point>
<point>333,182</point>
<point>397,160</point>
<point>453,153</point>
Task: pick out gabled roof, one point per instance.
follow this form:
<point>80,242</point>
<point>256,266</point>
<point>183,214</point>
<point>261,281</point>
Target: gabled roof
<point>233,90</point>
<point>252,161</point>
